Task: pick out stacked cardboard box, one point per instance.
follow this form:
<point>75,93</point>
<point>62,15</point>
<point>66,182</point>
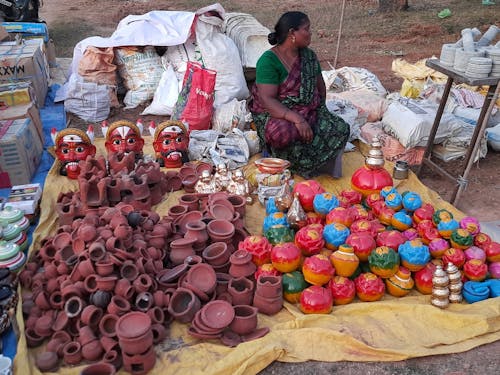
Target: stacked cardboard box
<point>20,149</point>
<point>25,62</point>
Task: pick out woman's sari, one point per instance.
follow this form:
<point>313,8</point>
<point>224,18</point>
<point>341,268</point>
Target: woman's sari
<point>299,93</point>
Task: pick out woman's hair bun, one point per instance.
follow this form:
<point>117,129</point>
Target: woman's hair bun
<point>272,38</point>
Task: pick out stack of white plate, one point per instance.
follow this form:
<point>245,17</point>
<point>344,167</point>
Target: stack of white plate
<point>462,59</point>
<point>494,54</point>
<point>447,57</point>
<point>479,67</point>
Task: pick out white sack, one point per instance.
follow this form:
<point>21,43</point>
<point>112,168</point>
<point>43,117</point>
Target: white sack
<point>353,79</point>
<point>87,100</point>
<point>220,54</point>
<point>179,55</point>
<point>493,135</point>
<point>230,115</point>
<point>141,71</point>
<point>410,122</point>
<point>166,94</point>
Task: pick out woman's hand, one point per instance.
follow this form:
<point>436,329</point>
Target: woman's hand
<point>304,130</point>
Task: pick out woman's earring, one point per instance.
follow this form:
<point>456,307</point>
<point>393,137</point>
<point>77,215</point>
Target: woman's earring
<point>293,38</point>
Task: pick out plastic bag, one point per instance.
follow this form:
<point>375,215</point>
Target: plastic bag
<point>166,94</point>
<point>194,105</point>
<point>221,54</point>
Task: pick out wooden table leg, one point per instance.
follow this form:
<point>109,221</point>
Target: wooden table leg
<point>435,125</point>
<point>489,103</point>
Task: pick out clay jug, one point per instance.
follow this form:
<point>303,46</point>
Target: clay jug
<point>344,260</point>
<point>180,249</point>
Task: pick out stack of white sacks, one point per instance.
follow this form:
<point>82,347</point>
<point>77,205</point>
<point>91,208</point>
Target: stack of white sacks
<point>474,55</point>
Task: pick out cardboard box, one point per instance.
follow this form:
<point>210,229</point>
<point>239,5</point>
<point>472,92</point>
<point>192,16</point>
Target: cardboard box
<point>12,94</point>
<point>25,197</point>
<point>25,62</point>
<point>20,150</point>
<point>21,111</point>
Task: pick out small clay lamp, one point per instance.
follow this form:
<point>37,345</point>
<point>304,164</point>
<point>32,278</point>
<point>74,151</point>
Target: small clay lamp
<point>372,177</point>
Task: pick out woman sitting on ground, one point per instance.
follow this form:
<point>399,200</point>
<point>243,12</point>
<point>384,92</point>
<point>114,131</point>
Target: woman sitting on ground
<point>288,103</point>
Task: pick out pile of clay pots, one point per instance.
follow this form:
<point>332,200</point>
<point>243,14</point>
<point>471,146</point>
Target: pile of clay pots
<point>141,186</point>
<point>119,263</point>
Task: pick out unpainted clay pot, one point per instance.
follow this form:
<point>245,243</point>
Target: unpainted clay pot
<point>241,290</point>
<point>99,368</point>
<point>245,319</point>
<point>72,353</point>
<point>183,305</point>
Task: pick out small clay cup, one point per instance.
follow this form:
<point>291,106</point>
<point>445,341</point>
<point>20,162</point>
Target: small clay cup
<point>107,325</point>
<point>99,368</point>
<point>183,305</point>
<point>72,353</point>
<point>245,319</point>
<point>216,254</point>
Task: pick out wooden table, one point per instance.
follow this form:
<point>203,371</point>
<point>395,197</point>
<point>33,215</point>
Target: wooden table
<point>489,102</point>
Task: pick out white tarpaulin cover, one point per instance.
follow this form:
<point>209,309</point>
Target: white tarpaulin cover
<point>156,28</point>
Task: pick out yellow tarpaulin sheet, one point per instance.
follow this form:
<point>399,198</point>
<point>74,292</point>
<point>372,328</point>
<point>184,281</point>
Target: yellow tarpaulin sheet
<point>389,330</point>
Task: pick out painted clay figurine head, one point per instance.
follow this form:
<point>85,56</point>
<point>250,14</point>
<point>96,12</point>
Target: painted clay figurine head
<point>71,146</point>
<point>123,137</point>
<point>170,142</point>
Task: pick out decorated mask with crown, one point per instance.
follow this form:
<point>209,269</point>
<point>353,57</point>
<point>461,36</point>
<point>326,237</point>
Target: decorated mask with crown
<point>71,146</point>
<point>123,137</point>
<point>170,142</point>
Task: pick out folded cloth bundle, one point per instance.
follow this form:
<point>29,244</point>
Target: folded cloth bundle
<point>475,291</point>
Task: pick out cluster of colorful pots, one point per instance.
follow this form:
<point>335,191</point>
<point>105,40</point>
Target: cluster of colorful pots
<point>364,246</point>
<point>13,238</point>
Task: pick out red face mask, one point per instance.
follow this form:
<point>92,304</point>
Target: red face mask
<point>123,140</point>
<point>171,146</point>
<point>70,149</point>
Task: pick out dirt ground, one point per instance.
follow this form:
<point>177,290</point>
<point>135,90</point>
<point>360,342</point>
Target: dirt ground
<point>370,40</point>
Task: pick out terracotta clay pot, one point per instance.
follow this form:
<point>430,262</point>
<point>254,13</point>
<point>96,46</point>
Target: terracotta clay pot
<point>183,305</point>
<point>216,254</point>
<point>134,332</point>
<point>140,363</point>
<point>269,286</point>
<point>177,210</point>
<point>241,290</point>
<point>91,315</point>
<point>191,201</point>
<point>220,230</point>
<point>74,306</point>
<point>124,289</point>
<point>118,305</point>
<point>202,276</point>
<point>86,335</point>
<point>197,230</point>
<point>99,368</point>
<point>159,333</point>
<point>47,361</point>
<point>241,264</point>
<point>92,350</point>
<point>32,338</point>
<point>72,353</point>
<point>245,319</point>
<point>107,325</point>
<point>180,249</point>
<point>268,305</point>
